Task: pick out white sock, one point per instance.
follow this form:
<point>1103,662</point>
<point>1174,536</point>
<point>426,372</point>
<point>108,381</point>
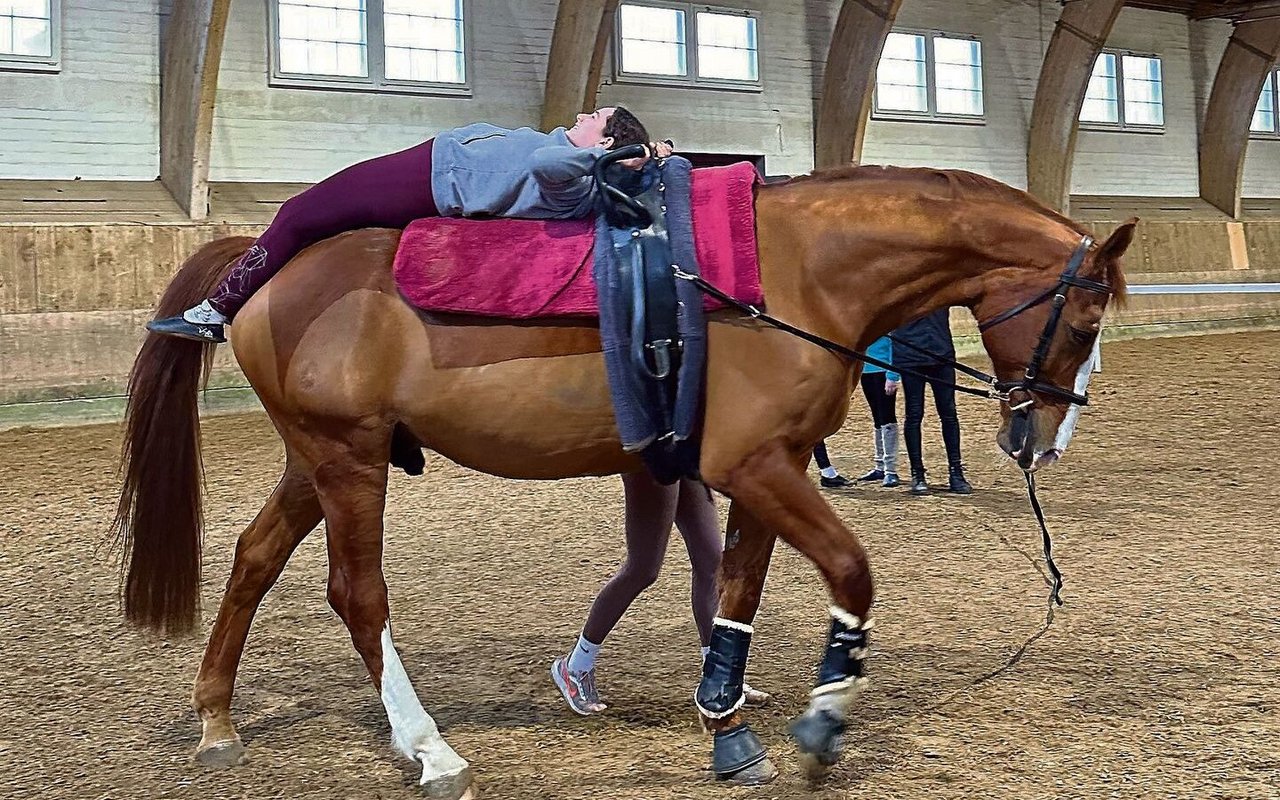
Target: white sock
<point>584,655</point>
<point>705,650</point>
<point>829,472</point>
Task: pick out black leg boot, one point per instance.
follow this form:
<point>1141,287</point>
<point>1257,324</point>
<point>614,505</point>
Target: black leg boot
<point>959,485</point>
<point>918,484</point>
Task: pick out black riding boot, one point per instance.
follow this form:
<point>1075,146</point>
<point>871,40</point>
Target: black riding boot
<point>918,484</point>
<point>958,483</point>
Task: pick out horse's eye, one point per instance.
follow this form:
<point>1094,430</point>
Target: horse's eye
<point>1079,336</point>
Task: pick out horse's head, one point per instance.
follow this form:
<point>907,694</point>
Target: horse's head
<point>1043,342</point>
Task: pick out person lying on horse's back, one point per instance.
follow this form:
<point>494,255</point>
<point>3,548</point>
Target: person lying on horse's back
<point>475,170</point>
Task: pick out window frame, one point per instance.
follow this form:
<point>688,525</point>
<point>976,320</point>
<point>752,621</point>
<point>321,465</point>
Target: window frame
<point>931,113</point>
<point>1123,125</point>
<point>692,80</point>
<point>375,47</point>
<point>1272,135</point>
<point>11,62</point>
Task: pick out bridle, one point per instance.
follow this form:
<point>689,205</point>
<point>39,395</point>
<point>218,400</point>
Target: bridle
<point>1030,382</point>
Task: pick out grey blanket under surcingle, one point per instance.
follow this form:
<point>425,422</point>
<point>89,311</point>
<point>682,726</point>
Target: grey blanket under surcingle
<point>666,438</point>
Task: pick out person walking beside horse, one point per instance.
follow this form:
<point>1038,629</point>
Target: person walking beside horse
<point>880,387</point>
<point>651,510</point>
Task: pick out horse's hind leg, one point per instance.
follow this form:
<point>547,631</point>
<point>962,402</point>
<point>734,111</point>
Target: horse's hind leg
<point>352,484</point>
<point>288,516</point>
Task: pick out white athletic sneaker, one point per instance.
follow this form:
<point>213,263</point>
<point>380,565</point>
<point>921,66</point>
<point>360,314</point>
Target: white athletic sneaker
<point>204,314</point>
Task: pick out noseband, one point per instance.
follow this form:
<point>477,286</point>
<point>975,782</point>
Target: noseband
<point>1030,381</point>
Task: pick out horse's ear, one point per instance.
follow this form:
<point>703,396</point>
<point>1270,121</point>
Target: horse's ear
<point>1118,241</point>
<point>1109,255</point>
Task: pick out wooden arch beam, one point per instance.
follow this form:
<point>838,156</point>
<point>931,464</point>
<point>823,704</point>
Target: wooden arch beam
<point>581,37</point>
<point>1252,50</point>
<point>850,80</point>
<point>1081,32</point>
<point>188,88</point>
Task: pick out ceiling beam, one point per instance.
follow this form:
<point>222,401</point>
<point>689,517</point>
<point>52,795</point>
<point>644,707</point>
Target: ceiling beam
<point>849,81</point>
<point>574,67</point>
<point>188,90</point>
<point>1224,137</point>
<point>1079,36</point>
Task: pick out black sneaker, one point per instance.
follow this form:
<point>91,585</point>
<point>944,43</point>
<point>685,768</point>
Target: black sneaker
<point>958,483</point>
<point>838,482</point>
<point>918,484</point>
<point>891,480</point>
<point>210,333</point>
<point>873,475</point>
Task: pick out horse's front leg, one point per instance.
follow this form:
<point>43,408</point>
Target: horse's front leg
<point>737,754</point>
<point>771,484</point>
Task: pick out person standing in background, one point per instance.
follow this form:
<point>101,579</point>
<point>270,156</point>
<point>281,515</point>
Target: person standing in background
<point>880,387</point>
<point>932,332</point>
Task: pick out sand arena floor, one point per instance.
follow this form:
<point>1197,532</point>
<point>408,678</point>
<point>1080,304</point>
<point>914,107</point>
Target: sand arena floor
<point>1160,678</point>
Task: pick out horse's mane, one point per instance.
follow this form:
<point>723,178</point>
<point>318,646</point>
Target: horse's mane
<point>954,183</point>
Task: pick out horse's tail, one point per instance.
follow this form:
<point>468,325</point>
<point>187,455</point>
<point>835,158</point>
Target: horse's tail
<point>159,521</point>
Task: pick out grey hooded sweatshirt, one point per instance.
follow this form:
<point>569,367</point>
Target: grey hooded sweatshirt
<point>484,170</point>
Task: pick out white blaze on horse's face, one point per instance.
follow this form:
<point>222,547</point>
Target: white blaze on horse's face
<point>1067,427</point>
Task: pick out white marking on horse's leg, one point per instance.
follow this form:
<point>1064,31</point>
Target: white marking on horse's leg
<point>413,731</point>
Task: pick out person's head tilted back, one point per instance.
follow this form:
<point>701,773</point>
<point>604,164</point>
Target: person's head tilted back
<point>610,128</point>
<point>625,129</point>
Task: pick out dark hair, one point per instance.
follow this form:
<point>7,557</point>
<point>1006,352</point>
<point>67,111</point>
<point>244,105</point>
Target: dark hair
<point>625,129</point>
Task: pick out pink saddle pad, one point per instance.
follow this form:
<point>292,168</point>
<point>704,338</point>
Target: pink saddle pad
<point>522,269</point>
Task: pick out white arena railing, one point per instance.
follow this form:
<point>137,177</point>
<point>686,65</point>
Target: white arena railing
<point>1203,288</point>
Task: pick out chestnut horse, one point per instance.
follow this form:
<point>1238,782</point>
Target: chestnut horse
<point>350,374</point>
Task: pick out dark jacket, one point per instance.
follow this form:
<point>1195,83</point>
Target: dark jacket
<point>931,332</point>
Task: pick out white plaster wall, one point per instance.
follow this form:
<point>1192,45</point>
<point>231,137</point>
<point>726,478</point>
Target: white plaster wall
<point>1014,37</point>
<point>99,117</point>
<point>1160,164</point>
<point>776,122</point>
<point>283,134</point>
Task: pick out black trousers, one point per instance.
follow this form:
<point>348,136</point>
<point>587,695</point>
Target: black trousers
<point>944,400</point>
<point>820,455</point>
<point>884,407</point>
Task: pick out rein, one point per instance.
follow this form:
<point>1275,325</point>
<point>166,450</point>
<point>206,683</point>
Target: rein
<point>992,393</point>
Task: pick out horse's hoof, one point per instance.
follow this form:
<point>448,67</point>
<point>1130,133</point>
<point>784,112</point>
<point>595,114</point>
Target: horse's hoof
<point>449,786</point>
<point>816,767</point>
<point>226,753</point>
<point>819,736</point>
<point>758,774</point>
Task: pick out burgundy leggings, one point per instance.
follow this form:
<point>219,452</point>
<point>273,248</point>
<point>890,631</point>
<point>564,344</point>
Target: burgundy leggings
<point>385,192</point>
<point>651,508</point>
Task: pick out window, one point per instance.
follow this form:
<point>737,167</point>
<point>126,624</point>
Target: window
<point>929,75</point>
<point>652,43</point>
<point>386,45</point>
<point>29,35</point>
<point>1125,92</point>
<point>1264,121</point>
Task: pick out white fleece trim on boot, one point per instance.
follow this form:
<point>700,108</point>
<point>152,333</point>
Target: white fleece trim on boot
<point>733,625</point>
